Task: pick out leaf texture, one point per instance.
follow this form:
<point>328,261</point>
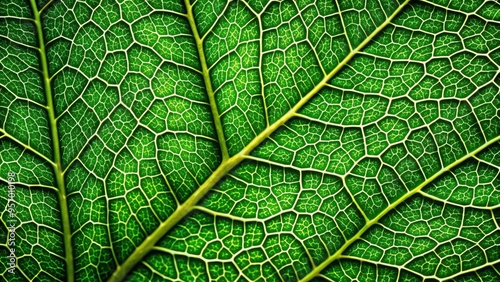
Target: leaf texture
<point>258,140</point>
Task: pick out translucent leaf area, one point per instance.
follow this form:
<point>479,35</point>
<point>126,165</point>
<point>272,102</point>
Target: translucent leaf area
<point>250,140</point>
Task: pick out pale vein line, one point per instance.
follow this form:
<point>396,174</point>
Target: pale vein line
<point>26,146</point>
<point>46,6</point>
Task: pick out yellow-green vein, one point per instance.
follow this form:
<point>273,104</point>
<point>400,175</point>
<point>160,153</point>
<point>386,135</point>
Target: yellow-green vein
<point>208,83</point>
<point>373,221</point>
<point>54,134</point>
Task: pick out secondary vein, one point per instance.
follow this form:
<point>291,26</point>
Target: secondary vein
<point>57,163</point>
<point>372,222</point>
<point>207,81</point>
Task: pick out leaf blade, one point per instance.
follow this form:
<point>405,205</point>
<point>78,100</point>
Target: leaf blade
<point>273,144</point>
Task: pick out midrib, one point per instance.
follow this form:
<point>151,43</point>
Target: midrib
<point>228,163</point>
<point>57,163</point>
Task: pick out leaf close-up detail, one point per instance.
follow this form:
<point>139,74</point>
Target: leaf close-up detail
<point>250,140</point>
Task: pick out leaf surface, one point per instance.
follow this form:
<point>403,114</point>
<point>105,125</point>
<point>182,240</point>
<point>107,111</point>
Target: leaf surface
<point>251,140</point>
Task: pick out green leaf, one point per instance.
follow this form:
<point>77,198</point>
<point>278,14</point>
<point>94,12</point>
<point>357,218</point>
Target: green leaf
<point>346,140</point>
